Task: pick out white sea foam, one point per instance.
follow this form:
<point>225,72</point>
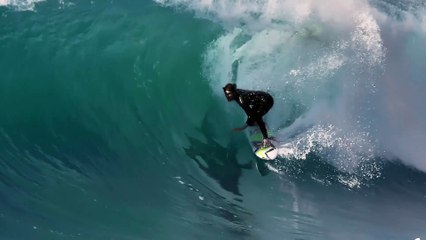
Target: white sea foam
<point>20,5</point>
<point>344,64</point>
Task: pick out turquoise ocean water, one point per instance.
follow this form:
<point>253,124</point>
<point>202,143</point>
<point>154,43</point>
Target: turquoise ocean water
<point>113,124</point>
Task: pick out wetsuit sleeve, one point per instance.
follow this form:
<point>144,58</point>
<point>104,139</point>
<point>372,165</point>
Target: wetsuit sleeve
<point>262,127</point>
<point>247,109</point>
<point>250,121</point>
<point>250,115</point>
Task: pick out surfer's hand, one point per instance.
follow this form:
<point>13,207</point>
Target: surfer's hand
<point>266,142</point>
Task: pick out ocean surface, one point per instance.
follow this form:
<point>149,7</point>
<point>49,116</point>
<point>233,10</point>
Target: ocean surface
<point>114,125</point>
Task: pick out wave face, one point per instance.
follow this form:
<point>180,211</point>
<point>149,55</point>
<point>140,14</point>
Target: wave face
<point>114,124</point>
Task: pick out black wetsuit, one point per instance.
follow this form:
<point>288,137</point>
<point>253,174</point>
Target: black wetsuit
<point>255,104</point>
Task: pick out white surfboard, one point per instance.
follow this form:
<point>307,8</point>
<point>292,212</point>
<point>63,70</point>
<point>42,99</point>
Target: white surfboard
<point>263,152</point>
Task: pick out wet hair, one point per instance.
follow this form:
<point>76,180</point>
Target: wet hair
<point>230,87</point>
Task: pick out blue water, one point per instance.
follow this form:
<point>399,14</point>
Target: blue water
<point>114,125</point>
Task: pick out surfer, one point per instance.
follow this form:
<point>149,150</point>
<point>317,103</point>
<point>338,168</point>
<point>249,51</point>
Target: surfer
<point>254,103</point>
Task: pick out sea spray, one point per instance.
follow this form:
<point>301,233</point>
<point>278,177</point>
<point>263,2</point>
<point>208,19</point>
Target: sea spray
<point>356,63</point>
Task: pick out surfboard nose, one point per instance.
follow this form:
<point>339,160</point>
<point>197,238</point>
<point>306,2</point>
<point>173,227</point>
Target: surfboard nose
<point>267,153</point>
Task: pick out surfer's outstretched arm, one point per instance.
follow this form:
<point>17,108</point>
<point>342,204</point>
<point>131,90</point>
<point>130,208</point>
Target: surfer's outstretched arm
<point>240,128</point>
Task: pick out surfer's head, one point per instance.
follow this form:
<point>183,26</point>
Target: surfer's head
<point>229,91</point>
